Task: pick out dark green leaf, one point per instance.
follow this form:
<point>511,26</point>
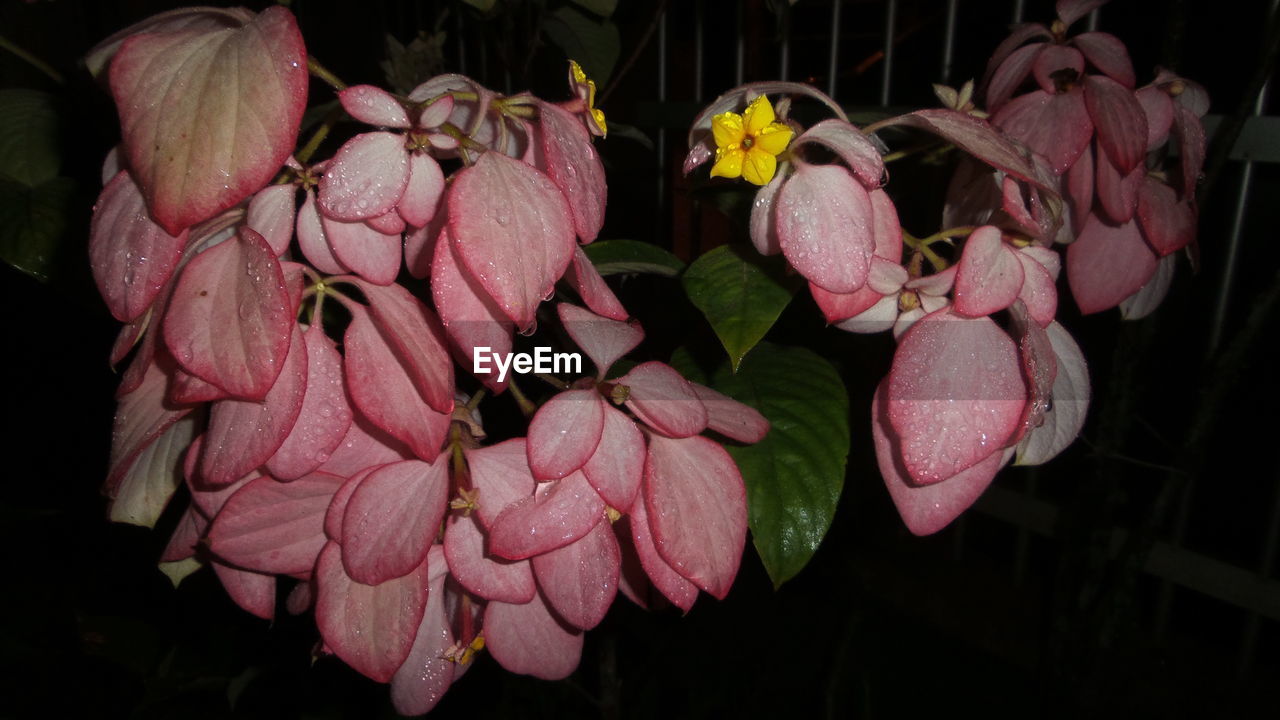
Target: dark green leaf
<point>630,132</point>
<point>595,44</point>
<point>687,365</point>
<point>28,136</point>
<point>481,5</point>
<point>603,8</point>
<point>742,296</point>
<point>620,257</point>
<point>33,222</point>
<point>795,474</point>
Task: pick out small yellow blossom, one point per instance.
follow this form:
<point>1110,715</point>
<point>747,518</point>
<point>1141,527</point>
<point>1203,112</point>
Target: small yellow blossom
<point>585,89</point>
<point>747,145</point>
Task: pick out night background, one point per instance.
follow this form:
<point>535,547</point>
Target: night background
<point>1133,575</point>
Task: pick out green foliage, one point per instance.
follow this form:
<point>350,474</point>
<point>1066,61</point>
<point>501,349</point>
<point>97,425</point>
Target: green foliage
<point>622,257</point>
<point>594,43</point>
<point>28,136</point>
<point>34,201</point>
<point>742,295</point>
<point>794,476</point>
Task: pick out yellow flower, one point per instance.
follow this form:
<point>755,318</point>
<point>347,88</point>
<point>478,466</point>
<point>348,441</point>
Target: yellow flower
<point>585,89</point>
<point>747,145</point>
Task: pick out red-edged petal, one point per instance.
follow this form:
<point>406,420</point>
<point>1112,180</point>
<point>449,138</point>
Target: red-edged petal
<point>337,511</point>
<point>392,519</point>
<point>313,241</point>
<point>664,400</point>
<point>254,592</point>
<point>132,257</point>
<point>565,432</point>
<point>374,106</point>
<point>825,227</point>
<point>1149,296</point>
<point>580,580</point>
<point>1158,108</point>
<point>274,527</point>
<point>851,145</point>
<point>617,466</point>
<point>470,317</point>
<point>575,168</point>
<point>1080,187</point>
<point>529,640</point>
<point>925,509</point>
<point>366,178</point>
<point>371,628</point>
<point>1039,292</point>
<point>1191,146</point>
<point>500,474</point>
<point>513,230</point>
<point>383,390</point>
<point>989,275</point>
<point>730,417</point>
<point>1070,394</point>
<point>842,306</point>
<point>1105,52</point>
<point>509,581</point>
<point>371,254</point>
<point>592,288</point>
<point>1119,119</point>
<point>209,116</point>
<point>141,416</point>
<point>1052,59</point>
<point>1058,127</point>
<point>955,394</point>
<point>244,434</point>
<point>1039,368</point>
<point>145,489</point>
<point>1070,11</point>
<point>1107,264</point>
<point>414,333</point>
<point>697,508</point>
<point>325,416</point>
<point>603,340</point>
<point>764,223</point>
<point>1011,73</point>
<point>557,514</point>
<point>1117,195</point>
<point>272,213</point>
<point>228,320</point>
<point>674,586</point>
<point>364,446</point>
<point>422,195</point>
<point>1168,224</point>
<point>426,673</point>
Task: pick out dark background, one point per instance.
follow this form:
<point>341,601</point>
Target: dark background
<point>982,618</point>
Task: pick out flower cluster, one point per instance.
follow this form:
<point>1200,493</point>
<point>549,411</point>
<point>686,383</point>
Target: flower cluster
<point>983,373</point>
<point>307,401</point>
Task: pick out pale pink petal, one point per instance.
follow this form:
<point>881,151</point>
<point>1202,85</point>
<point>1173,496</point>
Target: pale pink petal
<point>851,145</point>
<point>132,258</point>
<point>371,628</point>
<point>182,544</point>
<point>1191,146</point>
<point>529,640</point>
<point>1080,186</point>
<point>879,317</point>
<point>925,509</point>
<point>557,514</point>
<point>422,194</point>
<point>603,340</point>
<point>617,466</point>
<point>1167,223</point>
<point>974,136</point>
<point>244,434</point>
<point>240,91</point>
<point>513,230</point>
<point>436,113</point>
<point>274,527</point>
<point>731,418</point>
<point>592,288</point>
<point>366,178</point>
<point>1158,108</point>
<point>470,317</point>
<point>1149,296</point>
<point>171,21</point>
<point>1053,59</point>
<point>491,578</point>
<point>674,586</point>
<point>364,446</point>
<point>1039,368</point>
<point>1107,264</point>
<point>384,392</point>
<point>254,592</point>
<point>325,416</point>
<point>1119,119</point>
<point>312,239</point>
<point>337,510</point>
<point>371,254</point>
<point>1011,73</point>
<point>575,168</point>
<point>565,432</point>
<point>697,507</point>
<point>271,213</point>
<point>1117,195</point>
<point>1070,402</point>
<point>837,307</point>
<point>955,394</point>
<point>664,400</point>
<point>143,491</point>
<point>413,332</point>
<point>1105,52</point>
<point>1058,127</point>
<point>500,475</point>
<point>825,227</point>
<point>392,519</point>
<point>420,246</point>
<point>764,221</point>
<point>374,106</point>
<point>988,276</point>
<point>1015,206</point>
<point>426,674</point>
<point>228,320</point>
<point>1039,292</point>
<point>887,230</point>
<point>1019,36</point>
<point>580,580</point>
<point>388,223</point>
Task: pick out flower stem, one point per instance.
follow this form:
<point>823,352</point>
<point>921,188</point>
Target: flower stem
<point>318,137</point>
<point>526,406</point>
<point>320,71</point>
<point>937,261</point>
<point>33,61</point>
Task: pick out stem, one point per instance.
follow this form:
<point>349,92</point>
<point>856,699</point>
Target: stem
<point>475,399</point>
<point>33,61</point>
<point>552,380</point>
<point>318,137</point>
<point>947,234</point>
<point>908,152</point>
<point>922,247</point>
<point>526,406</point>
<point>320,71</point>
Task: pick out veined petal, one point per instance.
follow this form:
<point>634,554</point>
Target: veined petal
<point>773,139</point>
<point>759,166</point>
<point>729,162</point>
<point>758,115</point>
<point>728,129</point>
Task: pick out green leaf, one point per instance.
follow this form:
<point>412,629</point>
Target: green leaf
<point>595,44</point>
<point>481,5</point>
<point>621,257</point>
<point>33,221</point>
<point>742,296</point>
<point>795,474</point>
<point>630,132</point>
<point>28,136</point>
<point>683,362</point>
<point>603,8</point>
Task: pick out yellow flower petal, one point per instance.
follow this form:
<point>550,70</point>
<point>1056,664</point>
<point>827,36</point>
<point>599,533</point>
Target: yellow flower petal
<point>728,163</point>
<point>758,115</point>
<point>773,139</point>
<point>759,167</point>
<point>576,72</point>
<point>727,128</point>
<point>598,117</point>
